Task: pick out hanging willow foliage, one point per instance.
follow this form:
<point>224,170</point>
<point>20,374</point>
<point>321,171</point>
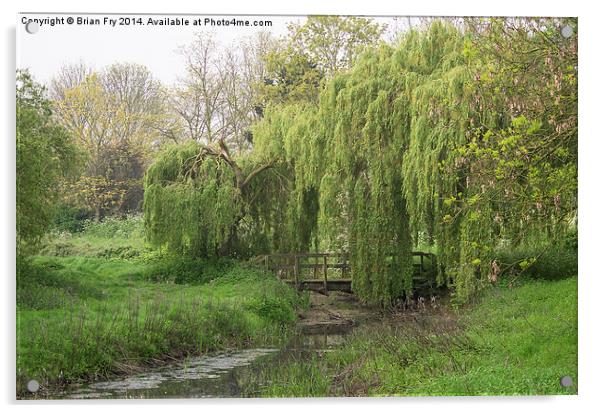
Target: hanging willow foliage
<point>190,206</point>
<point>407,148</point>
<point>355,150</point>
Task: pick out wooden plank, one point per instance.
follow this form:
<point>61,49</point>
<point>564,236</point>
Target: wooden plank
<point>321,281</point>
<point>307,255</point>
<point>331,254</point>
<point>325,270</point>
<point>296,271</point>
<point>320,266</point>
<point>317,285</point>
<point>290,266</point>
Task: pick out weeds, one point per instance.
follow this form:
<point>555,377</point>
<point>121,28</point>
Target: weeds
<point>114,321</point>
<point>517,340</point>
<point>120,238</point>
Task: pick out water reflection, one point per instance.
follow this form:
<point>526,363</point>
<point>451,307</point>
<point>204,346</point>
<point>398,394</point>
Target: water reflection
<point>206,376</point>
<point>223,375</point>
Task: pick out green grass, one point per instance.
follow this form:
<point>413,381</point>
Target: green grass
<point>102,302</point>
<point>122,238</point>
<point>83,318</point>
<point>515,341</point>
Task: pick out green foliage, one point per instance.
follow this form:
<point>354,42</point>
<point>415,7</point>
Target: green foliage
<point>333,43</point>
<point>69,218</point>
<point>113,237</point>
<point>515,341</point>
<point>86,318</point>
<point>286,209</point>
<point>428,142</point>
<point>115,116</point>
<point>45,283</point>
<point>514,177</point>
<point>314,52</point>
<point>46,156</point>
<point>354,151</point>
<point>183,270</point>
<point>191,202</point>
<point>130,226</point>
<point>540,261</point>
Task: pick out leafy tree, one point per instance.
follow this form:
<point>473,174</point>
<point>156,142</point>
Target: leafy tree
<point>314,52</point>
<point>413,144</point>
<point>196,197</point>
<point>437,140</point>
<point>333,43</point>
<point>117,116</point>
<point>46,156</point>
<point>492,156</point>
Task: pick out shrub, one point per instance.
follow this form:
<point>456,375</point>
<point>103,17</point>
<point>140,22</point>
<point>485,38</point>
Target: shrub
<point>125,252</point>
<point>274,308</point>
<point>70,219</point>
<point>182,270</point>
<point>113,227</point>
<point>549,262</point>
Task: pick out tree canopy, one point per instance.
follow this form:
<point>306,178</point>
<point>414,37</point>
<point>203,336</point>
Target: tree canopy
<point>115,115</point>
<point>437,141</point>
<point>46,156</point>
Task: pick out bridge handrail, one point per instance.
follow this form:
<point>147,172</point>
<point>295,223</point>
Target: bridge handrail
<point>293,261</point>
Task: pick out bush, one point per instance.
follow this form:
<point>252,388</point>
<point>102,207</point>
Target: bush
<point>132,226</point>
<point>276,309</point>
<point>125,253</point>
<point>70,219</point>
<point>551,262</point>
<point>181,270</point>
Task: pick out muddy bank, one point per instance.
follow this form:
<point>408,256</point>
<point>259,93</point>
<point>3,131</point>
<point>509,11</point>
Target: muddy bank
<point>340,311</point>
<point>336,312</point>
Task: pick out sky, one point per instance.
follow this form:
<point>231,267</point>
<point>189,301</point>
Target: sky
<point>156,47</point>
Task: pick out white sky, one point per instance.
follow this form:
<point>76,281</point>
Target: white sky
<point>52,47</point>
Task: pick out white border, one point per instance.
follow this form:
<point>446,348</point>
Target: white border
<point>589,196</point>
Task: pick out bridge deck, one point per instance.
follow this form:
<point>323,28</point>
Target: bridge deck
<point>303,270</point>
<point>318,285</point>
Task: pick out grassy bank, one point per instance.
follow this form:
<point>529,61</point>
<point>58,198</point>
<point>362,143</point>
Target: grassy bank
<point>110,238</point>
<point>86,317</point>
<point>514,341</point>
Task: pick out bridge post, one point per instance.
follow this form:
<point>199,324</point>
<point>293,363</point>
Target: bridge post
<point>296,271</point>
<point>325,270</point>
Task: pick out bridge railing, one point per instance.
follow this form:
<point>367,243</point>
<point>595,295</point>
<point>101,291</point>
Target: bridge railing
<point>316,266</point>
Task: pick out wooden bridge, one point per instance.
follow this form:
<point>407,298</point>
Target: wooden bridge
<point>332,272</point>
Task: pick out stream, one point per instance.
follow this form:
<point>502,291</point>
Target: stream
<point>228,374</point>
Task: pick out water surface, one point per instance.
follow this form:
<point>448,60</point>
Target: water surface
<point>229,374</point>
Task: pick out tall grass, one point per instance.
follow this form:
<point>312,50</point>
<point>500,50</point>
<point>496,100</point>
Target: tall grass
<point>90,317</point>
<point>113,237</point>
<point>515,341</point>
<point>549,262</point>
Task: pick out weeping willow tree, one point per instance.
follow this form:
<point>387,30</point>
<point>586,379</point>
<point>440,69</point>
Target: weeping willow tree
<point>354,149</point>
<point>423,142</point>
<point>287,138</point>
<point>196,199</point>
<point>431,143</point>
